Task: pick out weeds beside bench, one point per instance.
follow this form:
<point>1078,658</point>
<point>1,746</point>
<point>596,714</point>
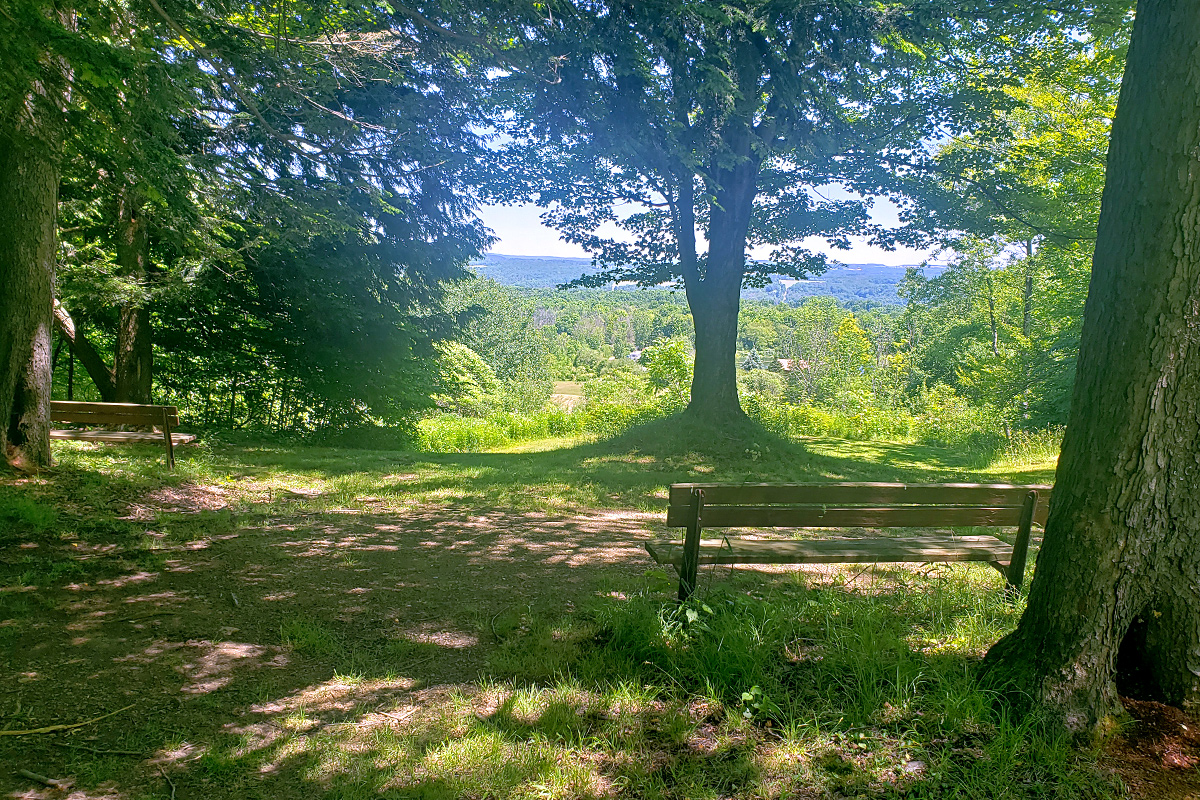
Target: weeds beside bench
<point>165,418</point>
<point>700,506</point>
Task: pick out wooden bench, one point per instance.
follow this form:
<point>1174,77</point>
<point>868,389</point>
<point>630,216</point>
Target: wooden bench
<point>700,506</point>
<point>163,417</point>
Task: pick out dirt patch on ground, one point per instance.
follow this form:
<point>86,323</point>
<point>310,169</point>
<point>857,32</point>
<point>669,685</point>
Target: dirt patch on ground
<point>186,499</point>
<point>1159,755</point>
<point>290,619</point>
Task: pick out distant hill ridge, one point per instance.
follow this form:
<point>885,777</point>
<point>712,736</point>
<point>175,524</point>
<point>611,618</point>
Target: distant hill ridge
<point>871,283</point>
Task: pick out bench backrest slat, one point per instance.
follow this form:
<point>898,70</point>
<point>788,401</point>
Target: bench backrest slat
<point>111,413</point>
<point>841,505</point>
<point>816,517</point>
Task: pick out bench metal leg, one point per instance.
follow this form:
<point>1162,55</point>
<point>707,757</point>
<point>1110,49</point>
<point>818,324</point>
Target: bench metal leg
<point>166,426</point>
<point>691,549</point>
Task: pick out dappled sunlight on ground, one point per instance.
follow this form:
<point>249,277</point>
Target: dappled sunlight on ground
<point>68,794</point>
<point>241,606</point>
<point>213,665</point>
<point>297,624</point>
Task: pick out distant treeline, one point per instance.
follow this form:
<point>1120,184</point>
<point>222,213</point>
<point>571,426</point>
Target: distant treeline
<point>850,284</point>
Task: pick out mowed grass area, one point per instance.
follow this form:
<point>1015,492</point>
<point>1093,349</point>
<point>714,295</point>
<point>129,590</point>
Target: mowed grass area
<point>294,622</point>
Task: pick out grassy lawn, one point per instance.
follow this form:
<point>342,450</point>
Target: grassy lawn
<point>295,622</point>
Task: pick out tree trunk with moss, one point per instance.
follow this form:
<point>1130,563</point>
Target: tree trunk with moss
<point>1114,607</point>
<point>29,178</point>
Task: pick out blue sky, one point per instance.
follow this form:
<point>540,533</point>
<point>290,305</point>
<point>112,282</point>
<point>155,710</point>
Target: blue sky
<point>521,233</point>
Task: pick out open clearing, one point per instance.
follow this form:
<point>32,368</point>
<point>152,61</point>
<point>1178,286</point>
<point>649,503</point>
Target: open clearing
<point>305,622</point>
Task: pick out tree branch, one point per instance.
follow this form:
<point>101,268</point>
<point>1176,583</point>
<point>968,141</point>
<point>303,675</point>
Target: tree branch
<point>990,195</point>
<point>200,49</point>
<point>88,356</point>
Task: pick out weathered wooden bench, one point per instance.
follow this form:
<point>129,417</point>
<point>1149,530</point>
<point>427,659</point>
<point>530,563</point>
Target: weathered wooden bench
<point>163,417</point>
<point>700,506</point>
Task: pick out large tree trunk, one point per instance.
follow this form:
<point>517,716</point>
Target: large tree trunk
<point>715,299</point>
<point>714,375</point>
<point>28,205</point>
<point>1115,604</point>
<point>133,361</point>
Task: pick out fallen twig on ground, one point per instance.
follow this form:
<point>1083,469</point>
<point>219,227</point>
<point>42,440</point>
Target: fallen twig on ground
<point>53,728</point>
<point>398,717</point>
<point>148,616</point>
<point>98,750</point>
<point>54,783</point>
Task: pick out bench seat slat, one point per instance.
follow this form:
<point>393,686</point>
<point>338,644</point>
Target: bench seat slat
<point>736,550</point>
<point>113,419</point>
<point>120,437</point>
<point>111,413</point>
<point>872,495</point>
<point>84,405</point>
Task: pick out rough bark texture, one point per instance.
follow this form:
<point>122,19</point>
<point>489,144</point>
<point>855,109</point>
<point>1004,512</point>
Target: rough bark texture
<point>1116,598</point>
<point>28,204</point>
<point>133,361</point>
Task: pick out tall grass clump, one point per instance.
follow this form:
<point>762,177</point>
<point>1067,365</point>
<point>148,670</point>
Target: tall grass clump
<point>854,420</point>
<point>452,433</point>
<point>949,420</point>
<point>606,420</point>
<point>863,682</point>
<point>1038,446</point>
<point>937,417</point>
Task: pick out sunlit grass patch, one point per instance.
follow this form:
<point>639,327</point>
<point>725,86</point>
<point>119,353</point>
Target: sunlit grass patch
<point>845,687</point>
<point>631,470</point>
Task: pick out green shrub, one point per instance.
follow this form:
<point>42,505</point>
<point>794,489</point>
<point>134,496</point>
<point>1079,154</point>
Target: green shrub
<point>611,419</point>
<point>944,418</point>
<point>952,421</point>
<point>450,433</point>
<point>857,421</point>
<point>1032,447</point>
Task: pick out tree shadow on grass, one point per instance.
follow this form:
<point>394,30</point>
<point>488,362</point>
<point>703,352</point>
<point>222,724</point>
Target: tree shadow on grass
<point>314,688</point>
<point>629,470</point>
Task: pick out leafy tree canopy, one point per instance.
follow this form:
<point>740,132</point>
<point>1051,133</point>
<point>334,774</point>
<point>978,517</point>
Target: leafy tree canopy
<point>673,139</point>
